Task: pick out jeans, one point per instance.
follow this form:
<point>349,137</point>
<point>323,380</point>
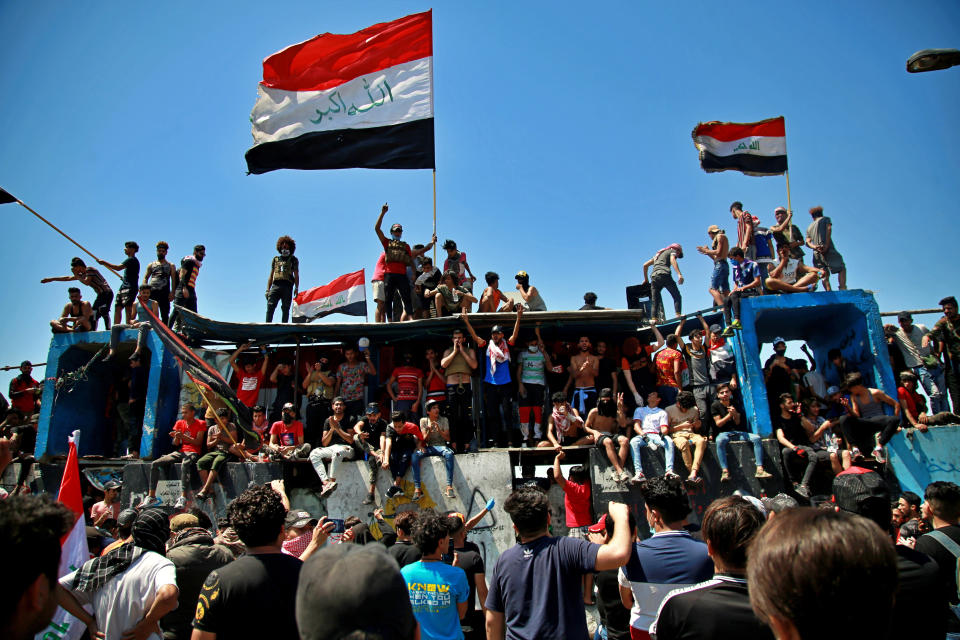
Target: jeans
<point>720,278</point>
<point>334,454</point>
<point>162,298</point>
<point>280,291</point>
<point>398,283</point>
<point>399,461</point>
<point>498,397</point>
<point>813,459</point>
<point>859,431</point>
<point>657,284</point>
<point>639,442</point>
<point>460,414</point>
<point>117,329</point>
<point>187,462</point>
<point>432,450</point>
<point>935,384</point>
<point>735,436</point>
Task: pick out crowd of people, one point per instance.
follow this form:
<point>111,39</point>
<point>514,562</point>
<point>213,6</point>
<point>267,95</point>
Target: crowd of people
<point>870,568</point>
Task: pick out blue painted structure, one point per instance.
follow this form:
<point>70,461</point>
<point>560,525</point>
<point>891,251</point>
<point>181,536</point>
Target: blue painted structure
<point>919,458</point>
<point>847,320</point>
<point>84,405</point>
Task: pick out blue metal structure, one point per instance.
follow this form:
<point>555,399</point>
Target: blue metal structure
<point>84,405</point>
<point>846,320</point>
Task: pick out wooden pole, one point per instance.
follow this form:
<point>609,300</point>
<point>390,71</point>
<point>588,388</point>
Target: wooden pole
<point>434,215</point>
<point>296,375</point>
<point>220,423</point>
<point>57,229</point>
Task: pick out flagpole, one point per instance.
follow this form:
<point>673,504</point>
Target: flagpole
<point>434,215</point>
<point>81,247</point>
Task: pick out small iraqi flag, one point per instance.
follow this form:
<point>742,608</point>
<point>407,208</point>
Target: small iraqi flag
<point>346,295</point>
<point>337,101</point>
<point>6,197</point>
<point>753,148</point>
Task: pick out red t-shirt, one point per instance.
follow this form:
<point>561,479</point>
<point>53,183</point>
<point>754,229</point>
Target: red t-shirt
<point>395,267</point>
<point>378,269</point>
<point>24,402</point>
<point>437,384</point>
<point>193,429</point>
<point>664,362</point>
<point>407,378</point>
<point>576,501</point>
<point>915,402</point>
<point>288,434</point>
<point>249,388</point>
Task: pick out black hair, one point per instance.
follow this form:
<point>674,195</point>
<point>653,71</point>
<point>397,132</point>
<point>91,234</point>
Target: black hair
<point>405,521</point>
<point>816,212</point>
<point>77,262</point>
<point>257,515</point>
<point>667,496</point>
<point>131,243</point>
<point>589,297</point>
<point>454,524</point>
<point>529,510</point>
<point>286,240</point>
<point>685,400</point>
<point>30,532</point>
<point>944,500</point>
<point>429,529</point>
<point>163,245</point>
<point>948,300</point>
<point>672,340</point>
<point>908,376</point>
<point>223,412</point>
<point>259,409</point>
<point>736,205</point>
<point>397,416</point>
<point>853,380</point>
<point>911,498</point>
<point>203,519</point>
<point>449,244</point>
<point>491,277</point>
<point>72,290</point>
<point>783,397</point>
<point>579,474</point>
<point>559,396</point>
<point>730,524</point>
<point>631,524</point>
<point>199,247</point>
<point>338,399</point>
<point>833,354</point>
<point>736,252</point>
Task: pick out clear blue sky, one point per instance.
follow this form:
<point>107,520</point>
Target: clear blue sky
<point>563,143</point>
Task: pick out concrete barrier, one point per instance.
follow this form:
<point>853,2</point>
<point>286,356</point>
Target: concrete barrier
<point>919,458</point>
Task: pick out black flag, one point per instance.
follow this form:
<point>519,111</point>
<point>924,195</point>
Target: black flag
<point>5,197</point>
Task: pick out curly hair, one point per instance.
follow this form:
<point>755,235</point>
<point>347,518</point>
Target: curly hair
<point>529,509</point>
<point>429,529</point>
<point>257,516</point>
<point>405,521</point>
<point>288,240</point>
<point>31,528</point>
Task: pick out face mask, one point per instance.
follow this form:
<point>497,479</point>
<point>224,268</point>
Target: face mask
<point>287,418</point>
<point>396,236</point>
<point>532,349</point>
<point>285,252</point>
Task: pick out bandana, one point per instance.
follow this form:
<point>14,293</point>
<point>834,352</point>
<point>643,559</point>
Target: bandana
<point>296,546</point>
<point>150,533</point>
<point>497,354</point>
<point>675,246</point>
<point>229,538</point>
<point>565,422</point>
<point>192,535</point>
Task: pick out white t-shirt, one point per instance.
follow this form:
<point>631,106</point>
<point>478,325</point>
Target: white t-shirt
<point>123,601</point>
<point>651,419</point>
<point>816,382</point>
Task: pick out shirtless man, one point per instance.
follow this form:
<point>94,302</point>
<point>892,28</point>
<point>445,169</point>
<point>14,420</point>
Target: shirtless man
<point>584,369</point>
<point>720,279</point>
<point>791,275</point>
<point>603,423</point>
<point>458,363</point>
<point>492,299</point>
<point>565,426</point>
<point>93,279</point>
<point>76,316</point>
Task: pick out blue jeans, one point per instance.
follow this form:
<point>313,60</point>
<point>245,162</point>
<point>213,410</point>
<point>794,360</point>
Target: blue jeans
<point>432,450</point>
<point>720,279</point>
<point>934,382</point>
<point>737,436</point>
<point>639,442</point>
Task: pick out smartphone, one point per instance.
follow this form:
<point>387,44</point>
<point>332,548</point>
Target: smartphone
<point>337,525</point>
<point>448,556</point>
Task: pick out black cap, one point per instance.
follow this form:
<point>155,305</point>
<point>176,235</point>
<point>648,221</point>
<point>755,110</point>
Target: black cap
<point>297,518</point>
<point>374,599</point>
<point>127,517</point>
<point>496,329</point>
<point>26,363</point>
<point>861,491</point>
<point>111,484</point>
<point>904,315</point>
<point>373,408</point>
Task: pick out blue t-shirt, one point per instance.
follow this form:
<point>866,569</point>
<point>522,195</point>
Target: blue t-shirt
<point>537,587</point>
<point>744,272</point>
<point>502,374</point>
<point>435,588</point>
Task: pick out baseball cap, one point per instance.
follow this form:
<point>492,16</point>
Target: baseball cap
<point>715,328</point>
<point>713,229</point>
<point>112,484</point>
<point>183,521</point>
<point>496,329</point>
<point>374,599</point>
<point>288,405</point>
<point>373,408</point>
<point>832,390</point>
<point>779,502</point>
<point>780,210</point>
<point>521,274</point>
<point>861,491</point>
<point>600,526</point>
<point>778,340</point>
<point>127,517</point>
<point>297,518</point>
<point>396,226</point>
<point>904,315</point>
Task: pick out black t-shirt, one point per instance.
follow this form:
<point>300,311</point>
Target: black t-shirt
<point>131,273</point>
<point>608,369</point>
<point>945,560</point>
<point>314,416</point>
<point>779,380</point>
<point>719,410</point>
<point>404,552</point>
<point>285,389</point>
<point>920,610</point>
<point>718,608</point>
<point>615,616</point>
<point>252,597</point>
<point>28,438</point>
<point>375,430</point>
<point>401,442</point>
<point>559,374</point>
<point>470,560</point>
<point>792,429</point>
<point>337,438</point>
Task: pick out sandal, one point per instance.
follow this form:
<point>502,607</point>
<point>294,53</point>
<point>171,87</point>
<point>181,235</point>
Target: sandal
<point>449,493</point>
<point>417,494</point>
<point>201,497</point>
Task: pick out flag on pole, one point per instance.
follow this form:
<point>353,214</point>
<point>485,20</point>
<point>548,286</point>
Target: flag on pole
<point>73,547</point>
<point>753,148</point>
<point>336,101</point>
<point>5,197</point>
<point>346,295</point>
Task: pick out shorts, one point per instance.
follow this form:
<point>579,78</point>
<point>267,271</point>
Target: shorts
<point>569,441</point>
<point>379,291</point>
<point>125,297</point>
<point>606,436</point>
<point>831,260</point>
<point>720,278</point>
<point>578,532</point>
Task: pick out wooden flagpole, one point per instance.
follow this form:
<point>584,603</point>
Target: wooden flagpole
<point>57,229</point>
<point>434,215</point>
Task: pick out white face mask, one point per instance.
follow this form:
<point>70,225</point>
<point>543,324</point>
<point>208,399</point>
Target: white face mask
<point>532,349</point>
<point>396,236</point>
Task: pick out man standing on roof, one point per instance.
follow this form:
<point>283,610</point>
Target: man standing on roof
<point>717,251</point>
<point>457,262</point>
<point>497,387</point>
<point>458,363</point>
<point>128,288</point>
<point>186,295</point>
<point>284,280</point>
<point>661,279</point>
<point>825,254</point>
<point>93,279</point>
<point>398,255</point>
<point>162,278</point>
<point>744,230</point>
<point>531,297</point>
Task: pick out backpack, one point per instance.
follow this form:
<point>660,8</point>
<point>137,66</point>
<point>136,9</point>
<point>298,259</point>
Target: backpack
<point>397,251</point>
<point>763,240</point>
<point>947,543</point>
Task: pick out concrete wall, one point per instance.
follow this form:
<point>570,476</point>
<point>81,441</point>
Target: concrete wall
<point>921,458</point>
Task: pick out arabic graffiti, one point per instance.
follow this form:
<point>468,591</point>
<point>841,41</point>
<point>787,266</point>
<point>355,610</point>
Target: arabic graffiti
<point>754,145</point>
<point>338,106</point>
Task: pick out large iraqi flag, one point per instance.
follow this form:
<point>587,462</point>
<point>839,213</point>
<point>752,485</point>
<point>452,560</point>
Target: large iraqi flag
<point>336,101</point>
<point>753,148</point>
<point>345,294</point>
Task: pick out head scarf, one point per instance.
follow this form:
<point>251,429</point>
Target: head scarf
<point>150,533</point>
<point>675,246</point>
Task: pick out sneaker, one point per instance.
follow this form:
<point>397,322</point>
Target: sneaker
<point>624,476</point>
<point>878,455</point>
<point>329,486</point>
<point>394,490</point>
<point>638,478</point>
<point>762,473</point>
<point>670,474</point>
<point>181,503</point>
<point>855,454</point>
<point>417,494</point>
<point>804,491</point>
<point>448,492</point>
<point>725,475</point>
<point>812,287</point>
<point>149,503</point>
<point>652,445</point>
<point>368,499</point>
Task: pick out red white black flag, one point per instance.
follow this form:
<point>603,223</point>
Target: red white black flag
<point>753,148</point>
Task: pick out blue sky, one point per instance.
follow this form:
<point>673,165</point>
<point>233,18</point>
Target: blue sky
<point>563,143</point>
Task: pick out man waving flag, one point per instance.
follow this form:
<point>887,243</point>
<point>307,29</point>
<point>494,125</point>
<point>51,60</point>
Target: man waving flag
<point>753,148</point>
<point>363,99</point>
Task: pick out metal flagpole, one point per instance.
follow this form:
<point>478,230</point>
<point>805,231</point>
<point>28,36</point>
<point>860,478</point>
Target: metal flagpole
<point>434,215</point>
<point>786,174</point>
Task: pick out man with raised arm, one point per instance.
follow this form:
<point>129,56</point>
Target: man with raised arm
<point>717,251</point>
<point>497,387</point>
<point>458,363</point>
<point>398,255</point>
